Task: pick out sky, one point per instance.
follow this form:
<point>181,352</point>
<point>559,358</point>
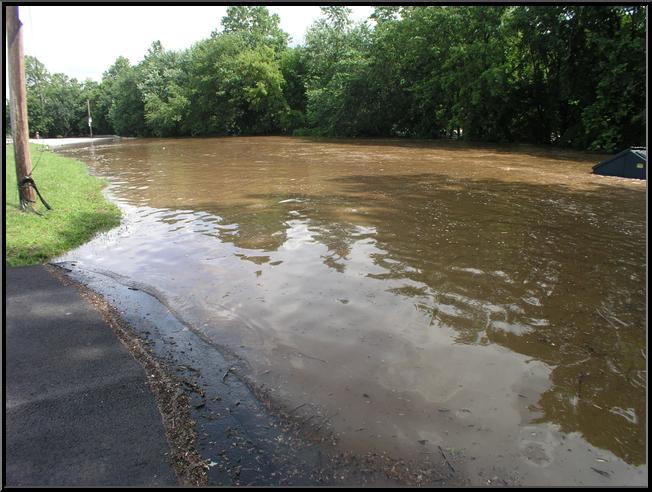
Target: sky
<point>84,41</point>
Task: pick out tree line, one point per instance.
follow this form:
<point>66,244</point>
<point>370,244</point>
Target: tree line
<point>567,75</point>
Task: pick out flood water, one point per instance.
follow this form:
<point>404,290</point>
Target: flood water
<point>490,301</point>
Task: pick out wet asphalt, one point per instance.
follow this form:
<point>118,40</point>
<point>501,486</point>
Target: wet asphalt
<point>246,436</point>
<point>79,412</point>
<point>77,408</point>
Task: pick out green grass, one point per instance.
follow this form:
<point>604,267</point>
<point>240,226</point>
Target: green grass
<point>79,210</point>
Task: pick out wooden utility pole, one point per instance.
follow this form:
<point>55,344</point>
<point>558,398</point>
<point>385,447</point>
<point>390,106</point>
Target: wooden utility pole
<point>18,102</point>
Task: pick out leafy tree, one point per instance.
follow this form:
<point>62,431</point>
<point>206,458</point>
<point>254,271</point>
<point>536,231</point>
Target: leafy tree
<point>256,26</point>
<point>566,75</point>
<point>89,92</point>
<point>384,13</point>
<point>253,83</point>
<point>37,79</point>
<point>127,111</point>
<point>337,79</point>
<point>234,79</point>
<point>293,70</point>
<point>162,87</point>
<point>104,95</point>
<point>616,117</point>
<point>64,104</point>
<point>209,111</point>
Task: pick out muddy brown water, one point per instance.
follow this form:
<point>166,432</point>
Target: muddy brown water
<point>487,301</point>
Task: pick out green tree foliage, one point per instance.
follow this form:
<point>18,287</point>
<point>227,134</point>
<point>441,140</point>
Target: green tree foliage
<point>56,104</point>
<point>256,26</point>
<point>233,80</point>
<point>127,109</point>
<point>100,103</point>
<point>565,75</point>
<point>162,87</point>
<point>253,83</point>
<point>37,81</point>
<point>64,105</point>
<point>616,113</point>
<point>337,76</point>
<point>577,75</point>
<point>293,71</point>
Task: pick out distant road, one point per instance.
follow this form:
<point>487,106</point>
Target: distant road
<point>59,143</point>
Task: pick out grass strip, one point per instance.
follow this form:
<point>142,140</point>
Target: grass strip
<point>79,209</point>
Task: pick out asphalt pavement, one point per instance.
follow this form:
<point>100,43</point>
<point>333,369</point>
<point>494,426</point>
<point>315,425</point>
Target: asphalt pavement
<point>78,410</point>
